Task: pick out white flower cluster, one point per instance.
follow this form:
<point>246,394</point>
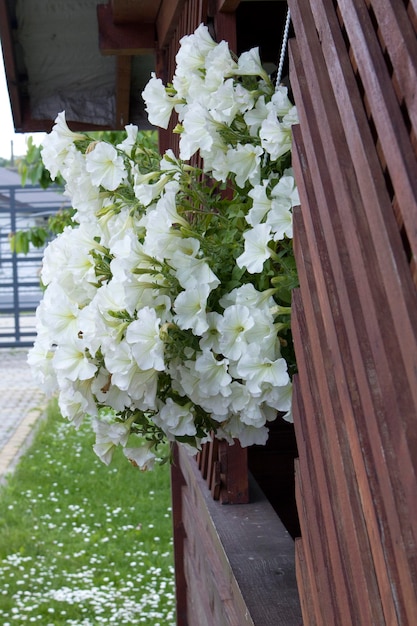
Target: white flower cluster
<point>160,316</point>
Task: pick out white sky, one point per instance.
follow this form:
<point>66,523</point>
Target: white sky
<point>7,134</point>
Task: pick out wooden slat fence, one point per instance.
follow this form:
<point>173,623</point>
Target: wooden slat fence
<point>353,73</point>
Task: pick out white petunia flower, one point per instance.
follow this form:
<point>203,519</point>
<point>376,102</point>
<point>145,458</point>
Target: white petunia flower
<point>256,115</point>
<point>247,435</point>
<point>256,370</point>
<point>40,360</point>
<point>199,130</point>
<point>279,398</point>
<point>191,272</point>
<point>210,339</point>
<point>223,104</point>
<point>261,204</point>
<point>233,326</point>
<point>76,400</point>
<point>71,362</point>
<point>275,137</point>
<point>127,144</point>
<point>290,118</point>
<point>247,294</point>
<point>85,197</point>
<point>280,220</point>
<point>193,51</point>
<point>245,161</point>
<point>57,145</point>
<point>286,189</point>
<point>105,166</point>
<point>249,64</point>
<point>59,314</point>
<point>108,393</point>
<point>280,102</point>
<point>143,335</point>
<point>214,377</point>
<point>115,432</point>
<point>190,308</point>
<point>158,104</point>
<point>218,65</point>
<point>140,385</point>
<point>175,420</point>
<point>145,191</point>
<point>256,250</point>
<point>140,457</point>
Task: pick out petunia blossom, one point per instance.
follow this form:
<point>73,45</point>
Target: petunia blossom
<point>105,166</point>
<point>256,250</point>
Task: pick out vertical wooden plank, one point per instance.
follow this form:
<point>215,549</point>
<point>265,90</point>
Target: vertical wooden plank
<point>234,473</point>
<point>373,367</point>
<point>387,116</point>
<point>177,486</point>
<point>167,20</point>
<point>303,582</point>
<point>123,80</point>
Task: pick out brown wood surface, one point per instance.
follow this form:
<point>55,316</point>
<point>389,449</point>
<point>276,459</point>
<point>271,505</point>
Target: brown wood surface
<point>128,11</point>
<point>124,39</point>
<point>354,318</point>
<point>123,81</point>
<point>239,560</point>
<point>12,77</point>
<point>385,110</point>
<point>169,15</point>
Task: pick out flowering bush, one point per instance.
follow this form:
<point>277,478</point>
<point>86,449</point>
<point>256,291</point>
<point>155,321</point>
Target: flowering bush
<point>166,312</point>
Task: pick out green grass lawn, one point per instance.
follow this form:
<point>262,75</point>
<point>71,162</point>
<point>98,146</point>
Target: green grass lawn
<point>81,543</point>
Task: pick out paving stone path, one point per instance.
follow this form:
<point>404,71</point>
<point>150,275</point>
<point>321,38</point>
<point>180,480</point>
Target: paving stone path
<point>22,404</point>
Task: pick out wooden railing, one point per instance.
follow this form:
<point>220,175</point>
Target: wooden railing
<point>225,469</point>
<point>353,72</point>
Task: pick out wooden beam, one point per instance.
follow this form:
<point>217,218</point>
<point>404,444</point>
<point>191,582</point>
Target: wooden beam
<point>123,80</point>
<point>225,6</point>
<point>125,39</point>
<point>12,76</point>
<point>167,20</point>
<point>128,11</point>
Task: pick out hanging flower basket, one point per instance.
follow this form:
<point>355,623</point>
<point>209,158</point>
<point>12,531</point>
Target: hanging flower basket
<point>166,314</point>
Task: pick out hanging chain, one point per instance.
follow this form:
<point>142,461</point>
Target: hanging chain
<point>283,48</point>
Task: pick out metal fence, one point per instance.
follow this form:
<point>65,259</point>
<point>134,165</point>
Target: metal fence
<point>20,293</point>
